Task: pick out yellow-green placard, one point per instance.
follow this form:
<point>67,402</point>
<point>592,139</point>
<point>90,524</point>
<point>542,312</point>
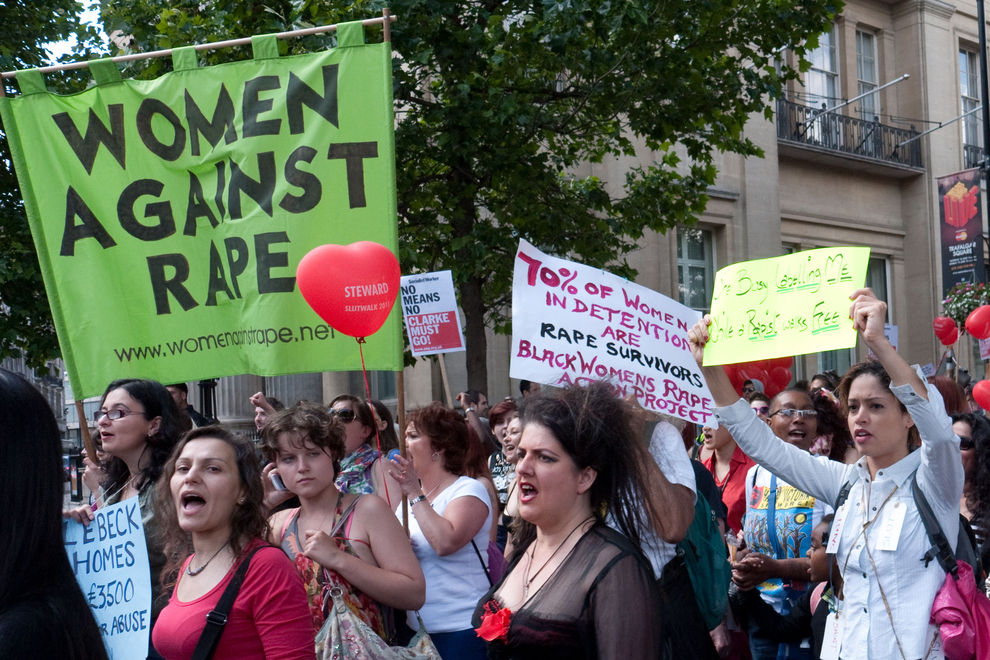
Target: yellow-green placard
<point>789,305</point>
<point>170,214</point>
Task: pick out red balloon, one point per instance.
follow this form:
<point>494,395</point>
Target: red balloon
<point>981,394</point>
<point>780,377</point>
<point>950,338</point>
<point>352,287</point>
<point>978,322</point>
<point>943,325</point>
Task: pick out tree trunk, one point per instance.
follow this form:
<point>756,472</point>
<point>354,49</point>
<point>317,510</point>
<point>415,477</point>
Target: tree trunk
<point>475,339</point>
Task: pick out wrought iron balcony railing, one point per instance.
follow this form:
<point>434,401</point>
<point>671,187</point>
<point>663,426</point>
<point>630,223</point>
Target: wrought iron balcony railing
<point>849,135</point>
<point>972,155</point>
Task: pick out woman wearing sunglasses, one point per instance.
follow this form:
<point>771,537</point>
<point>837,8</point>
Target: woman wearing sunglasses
<point>363,470</point>
<point>974,445</point>
<point>878,536</point>
<point>778,523</point>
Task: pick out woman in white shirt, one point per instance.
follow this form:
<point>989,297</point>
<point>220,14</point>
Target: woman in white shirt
<point>878,536</point>
<point>450,520</point>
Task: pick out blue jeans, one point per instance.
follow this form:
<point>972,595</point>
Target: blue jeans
<point>460,645</point>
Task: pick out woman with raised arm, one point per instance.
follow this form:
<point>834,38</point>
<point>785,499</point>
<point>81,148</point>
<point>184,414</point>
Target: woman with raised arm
<point>879,537</point>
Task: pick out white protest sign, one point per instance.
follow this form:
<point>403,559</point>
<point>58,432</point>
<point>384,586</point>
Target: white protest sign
<point>110,559</point>
<point>429,308</point>
<point>984,349</point>
<point>575,324</point>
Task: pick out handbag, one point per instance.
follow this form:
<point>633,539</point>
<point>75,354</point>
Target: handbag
<point>344,636</point>
<point>960,610</point>
<point>216,618</point>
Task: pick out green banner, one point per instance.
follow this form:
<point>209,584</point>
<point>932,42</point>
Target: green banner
<point>170,215</point>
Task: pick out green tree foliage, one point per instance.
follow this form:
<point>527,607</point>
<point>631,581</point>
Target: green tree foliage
<point>498,103</point>
<point>25,317</point>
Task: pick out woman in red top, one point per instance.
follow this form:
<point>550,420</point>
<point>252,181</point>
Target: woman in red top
<point>729,465</point>
<point>211,503</point>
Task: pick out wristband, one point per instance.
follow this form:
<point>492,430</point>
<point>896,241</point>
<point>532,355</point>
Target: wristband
<point>416,500</point>
<point>470,409</point>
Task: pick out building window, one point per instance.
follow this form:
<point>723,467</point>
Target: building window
<point>822,87</point>
<point>866,73</point>
<point>822,79</point>
<point>876,279</point>
<point>969,92</point>
<point>695,268</point>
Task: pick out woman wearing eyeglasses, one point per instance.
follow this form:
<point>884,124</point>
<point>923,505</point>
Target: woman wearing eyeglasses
<point>778,524</point>
<point>363,470</point>
<point>888,590</point>
<point>139,426</point>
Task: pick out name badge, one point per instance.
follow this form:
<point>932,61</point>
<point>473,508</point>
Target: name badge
<point>836,531</point>
<point>890,529</point>
<point>832,641</point>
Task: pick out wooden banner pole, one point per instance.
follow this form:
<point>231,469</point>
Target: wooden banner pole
<point>446,383</point>
<point>216,45</point>
<point>87,438</point>
<point>400,414</point>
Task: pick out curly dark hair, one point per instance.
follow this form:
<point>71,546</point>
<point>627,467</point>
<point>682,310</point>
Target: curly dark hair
<point>875,369</point>
<point>157,402</point>
<point>594,427</point>
<point>831,423</point>
<point>977,485</point>
<point>310,422</point>
<point>448,432</point>
<point>248,520</point>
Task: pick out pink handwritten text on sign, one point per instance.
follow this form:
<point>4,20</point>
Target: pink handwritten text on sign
<point>575,324</point>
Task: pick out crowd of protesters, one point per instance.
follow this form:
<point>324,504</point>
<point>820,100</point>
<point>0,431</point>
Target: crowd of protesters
<point>552,525</point>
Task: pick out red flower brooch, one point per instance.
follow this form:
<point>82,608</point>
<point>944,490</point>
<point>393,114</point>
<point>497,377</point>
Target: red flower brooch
<point>495,622</point>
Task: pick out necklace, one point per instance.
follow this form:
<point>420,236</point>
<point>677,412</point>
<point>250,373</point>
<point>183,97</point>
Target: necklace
<point>191,572</point>
<point>527,580</point>
<point>434,489</point>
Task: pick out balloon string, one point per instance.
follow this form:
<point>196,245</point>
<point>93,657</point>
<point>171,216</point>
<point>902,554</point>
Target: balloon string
<point>378,437</point>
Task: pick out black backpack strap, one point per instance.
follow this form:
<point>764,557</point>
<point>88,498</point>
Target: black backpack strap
<point>941,549</point>
<point>216,619</point>
<point>843,495</point>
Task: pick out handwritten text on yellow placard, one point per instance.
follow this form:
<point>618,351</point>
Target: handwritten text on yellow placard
<point>789,305</point>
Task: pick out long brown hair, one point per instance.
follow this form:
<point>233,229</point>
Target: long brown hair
<point>248,521</point>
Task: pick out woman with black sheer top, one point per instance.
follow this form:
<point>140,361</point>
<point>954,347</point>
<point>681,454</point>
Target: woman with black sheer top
<point>576,588</point>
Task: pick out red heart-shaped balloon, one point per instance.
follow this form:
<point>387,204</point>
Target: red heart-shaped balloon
<point>950,338</point>
<point>943,325</point>
<point>981,394</point>
<point>978,322</point>
<point>352,287</point>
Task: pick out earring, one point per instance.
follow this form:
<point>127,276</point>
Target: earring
<point>435,455</point>
<point>241,501</point>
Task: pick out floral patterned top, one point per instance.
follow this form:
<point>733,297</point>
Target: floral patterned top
<point>319,581</point>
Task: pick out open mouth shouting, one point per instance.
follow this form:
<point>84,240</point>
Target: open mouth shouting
<point>191,503</point>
